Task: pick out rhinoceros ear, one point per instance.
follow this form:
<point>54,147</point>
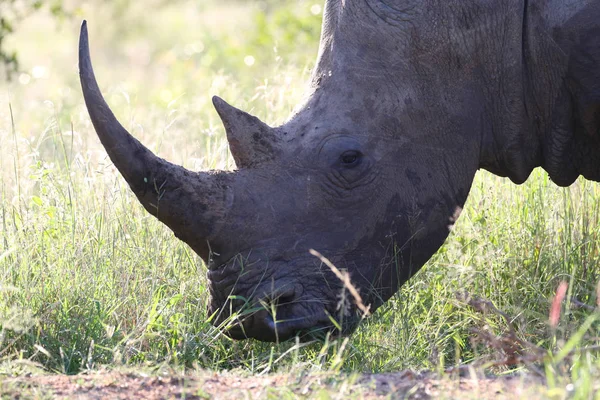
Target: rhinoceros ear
<point>251,141</point>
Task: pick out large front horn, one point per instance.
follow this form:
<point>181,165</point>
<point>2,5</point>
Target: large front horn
<point>191,204</point>
<point>251,141</point>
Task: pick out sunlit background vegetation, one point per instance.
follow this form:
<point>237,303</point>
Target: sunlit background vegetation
<point>89,279</point>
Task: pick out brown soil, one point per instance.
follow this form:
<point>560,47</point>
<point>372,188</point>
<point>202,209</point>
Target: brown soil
<point>135,385</point>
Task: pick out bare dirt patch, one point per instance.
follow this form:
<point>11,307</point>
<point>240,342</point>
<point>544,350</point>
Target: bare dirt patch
<point>205,385</point>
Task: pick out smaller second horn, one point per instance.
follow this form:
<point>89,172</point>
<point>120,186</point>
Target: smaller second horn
<point>251,141</point>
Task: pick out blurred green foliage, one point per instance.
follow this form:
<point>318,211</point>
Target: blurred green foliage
<point>288,28</point>
<point>284,28</point>
<point>11,13</point>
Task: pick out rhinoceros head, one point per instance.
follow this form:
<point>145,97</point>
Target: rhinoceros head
<point>371,172</point>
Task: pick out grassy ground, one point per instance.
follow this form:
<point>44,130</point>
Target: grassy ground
<point>89,280</point>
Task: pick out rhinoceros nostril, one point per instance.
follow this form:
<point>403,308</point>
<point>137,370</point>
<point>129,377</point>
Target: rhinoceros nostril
<point>277,298</point>
<point>285,299</point>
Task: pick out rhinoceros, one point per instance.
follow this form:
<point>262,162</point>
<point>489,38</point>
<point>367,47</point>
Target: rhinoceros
<point>407,101</point>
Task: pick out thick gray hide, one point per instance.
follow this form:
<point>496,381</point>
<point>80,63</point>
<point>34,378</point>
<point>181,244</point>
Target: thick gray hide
<point>408,99</point>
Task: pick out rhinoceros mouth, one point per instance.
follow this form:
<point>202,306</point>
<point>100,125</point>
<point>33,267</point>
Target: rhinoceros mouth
<point>306,329</point>
<point>268,329</point>
<point>273,321</point>
<point>270,309</point>
<point>278,322</point>
<point>258,297</point>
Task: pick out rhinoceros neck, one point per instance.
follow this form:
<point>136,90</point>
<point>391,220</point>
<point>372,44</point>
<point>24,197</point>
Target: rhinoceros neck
<point>492,42</point>
<point>525,72</point>
<point>564,68</point>
<point>540,78</point>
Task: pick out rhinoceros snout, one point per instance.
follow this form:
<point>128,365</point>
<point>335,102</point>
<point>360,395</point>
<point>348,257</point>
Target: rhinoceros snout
<point>265,327</point>
<point>279,315</point>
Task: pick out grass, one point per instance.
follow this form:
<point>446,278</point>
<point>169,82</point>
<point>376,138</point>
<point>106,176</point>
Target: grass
<point>88,279</point>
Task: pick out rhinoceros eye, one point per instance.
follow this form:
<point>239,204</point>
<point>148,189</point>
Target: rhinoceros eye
<point>351,158</point>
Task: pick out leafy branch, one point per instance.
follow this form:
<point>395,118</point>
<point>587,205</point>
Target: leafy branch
<point>12,12</point>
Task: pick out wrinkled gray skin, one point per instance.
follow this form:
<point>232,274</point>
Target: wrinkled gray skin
<point>408,99</point>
